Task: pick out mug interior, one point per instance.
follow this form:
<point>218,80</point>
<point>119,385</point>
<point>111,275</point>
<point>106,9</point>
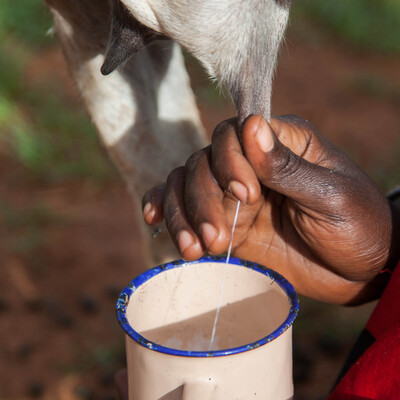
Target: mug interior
<point>171,308</point>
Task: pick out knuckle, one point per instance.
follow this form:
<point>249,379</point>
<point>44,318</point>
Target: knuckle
<point>199,206</point>
<point>294,119</point>
<point>194,160</point>
<point>175,174</point>
<point>223,126</point>
<point>155,193</point>
<point>223,134</point>
<point>193,205</point>
<point>298,121</point>
<point>286,166</point>
<point>172,216</point>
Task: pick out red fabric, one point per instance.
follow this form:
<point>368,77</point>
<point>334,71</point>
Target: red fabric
<point>387,312</point>
<point>376,375</point>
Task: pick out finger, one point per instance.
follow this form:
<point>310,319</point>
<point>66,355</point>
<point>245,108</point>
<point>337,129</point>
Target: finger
<point>229,166</point>
<point>303,139</point>
<point>283,171</point>
<point>185,238</point>
<point>152,205</point>
<point>121,382</point>
<point>203,200</point>
<point>295,133</point>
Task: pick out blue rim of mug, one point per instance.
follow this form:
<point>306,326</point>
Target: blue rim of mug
<point>123,301</point>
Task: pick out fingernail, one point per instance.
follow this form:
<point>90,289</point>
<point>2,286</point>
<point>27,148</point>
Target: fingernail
<point>208,233</point>
<point>239,190</point>
<point>264,138</point>
<point>148,212</point>
<point>185,239</point>
<point>146,209</point>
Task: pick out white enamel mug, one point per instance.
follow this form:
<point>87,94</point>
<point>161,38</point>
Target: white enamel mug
<point>168,315</point>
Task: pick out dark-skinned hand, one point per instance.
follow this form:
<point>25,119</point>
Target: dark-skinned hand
<point>307,210</point>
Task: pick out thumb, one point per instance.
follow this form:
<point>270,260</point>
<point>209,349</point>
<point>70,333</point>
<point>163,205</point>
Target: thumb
<point>280,169</point>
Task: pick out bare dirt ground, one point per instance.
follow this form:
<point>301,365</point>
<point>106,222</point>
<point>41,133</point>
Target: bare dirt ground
<point>59,335</point>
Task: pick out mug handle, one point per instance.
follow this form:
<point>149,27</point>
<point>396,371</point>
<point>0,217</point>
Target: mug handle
<point>198,390</point>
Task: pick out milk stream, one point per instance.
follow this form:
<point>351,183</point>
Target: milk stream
<point>221,291</point>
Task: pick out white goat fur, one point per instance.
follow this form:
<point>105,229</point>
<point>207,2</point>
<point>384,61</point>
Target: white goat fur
<point>237,41</point>
<point>145,111</point>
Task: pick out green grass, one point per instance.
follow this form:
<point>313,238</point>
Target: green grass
<point>52,139</point>
<point>365,24</point>
<point>58,143</point>
<point>26,20</point>
<point>55,141</point>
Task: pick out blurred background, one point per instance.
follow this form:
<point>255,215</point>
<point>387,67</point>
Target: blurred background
<point>69,232</point>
